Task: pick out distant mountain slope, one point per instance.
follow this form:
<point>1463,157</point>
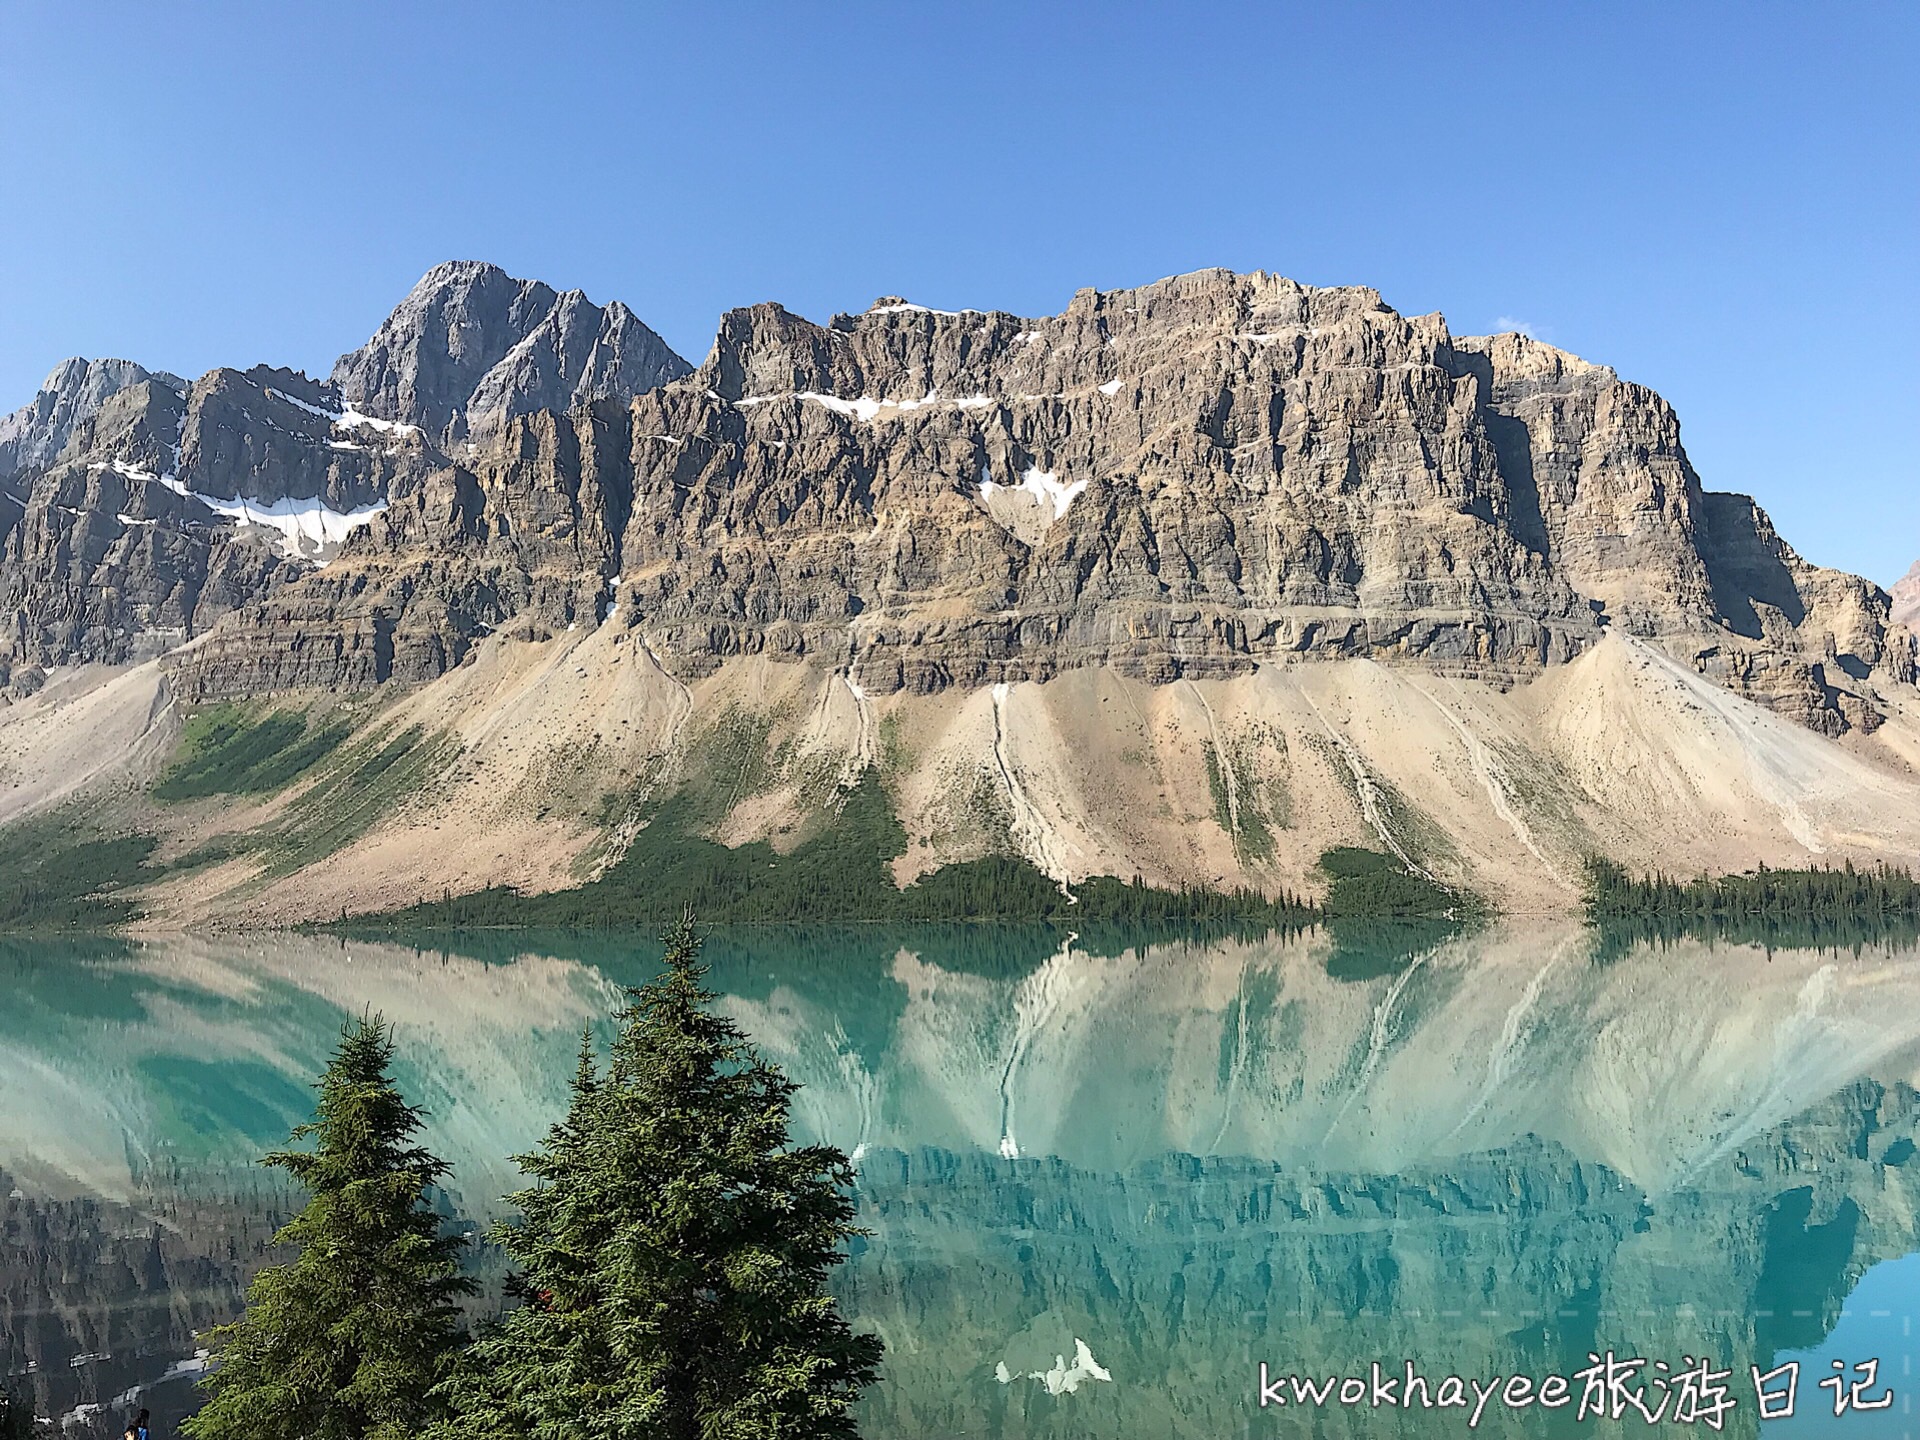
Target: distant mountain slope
<point>1906,597</point>
<point>1190,581</point>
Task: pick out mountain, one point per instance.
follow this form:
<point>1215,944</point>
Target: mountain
<point>1906,597</point>
<point>1190,581</point>
<point>471,347</point>
<point>36,433</point>
<point>140,509</point>
<point>1186,480</point>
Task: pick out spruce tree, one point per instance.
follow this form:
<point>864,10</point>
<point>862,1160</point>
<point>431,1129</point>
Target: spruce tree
<point>674,1250</point>
<point>348,1340</point>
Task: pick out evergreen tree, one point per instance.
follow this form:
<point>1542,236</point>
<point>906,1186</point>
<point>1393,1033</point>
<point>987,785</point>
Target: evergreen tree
<point>347,1341</point>
<point>674,1251</point>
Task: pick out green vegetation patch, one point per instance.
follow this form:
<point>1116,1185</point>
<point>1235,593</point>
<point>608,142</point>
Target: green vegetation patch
<point>367,781</point>
<point>56,877</point>
<point>1366,949</point>
<point>1823,908</point>
<point>1380,913</point>
<point>1398,817</point>
<point>1366,884</point>
<point>840,872</point>
<point>1246,807</point>
<point>239,750</point>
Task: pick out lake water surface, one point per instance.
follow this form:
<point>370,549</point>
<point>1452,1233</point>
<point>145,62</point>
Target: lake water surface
<point>1104,1183</point>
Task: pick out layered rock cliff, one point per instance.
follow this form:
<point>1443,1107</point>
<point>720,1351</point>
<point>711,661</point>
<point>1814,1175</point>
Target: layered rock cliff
<point>137,509</point>
<point>1185,480</point>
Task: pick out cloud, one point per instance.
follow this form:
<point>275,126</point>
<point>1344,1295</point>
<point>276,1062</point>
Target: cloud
<point>1504,323</point>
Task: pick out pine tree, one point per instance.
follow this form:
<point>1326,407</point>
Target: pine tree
<point>674,1251</point>
<point>347,1341</point>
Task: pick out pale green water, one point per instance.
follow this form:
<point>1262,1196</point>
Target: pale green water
<point>1188,1159</point>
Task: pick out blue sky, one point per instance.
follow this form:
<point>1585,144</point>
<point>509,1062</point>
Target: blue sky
<point>1721,201</point>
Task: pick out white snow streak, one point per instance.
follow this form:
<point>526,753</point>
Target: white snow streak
<point>303,405</point>
<point>1494,780</point>
<point>307,527</point>
<point>348,419</point>
<point>905,307</point>
<point>1065,1377</point>
<point>1043,485</point>
<point>866,407</point>
<point>354,420</point>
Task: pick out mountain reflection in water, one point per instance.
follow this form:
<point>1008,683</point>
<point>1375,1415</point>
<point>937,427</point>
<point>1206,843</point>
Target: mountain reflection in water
<point>1104,1181</point>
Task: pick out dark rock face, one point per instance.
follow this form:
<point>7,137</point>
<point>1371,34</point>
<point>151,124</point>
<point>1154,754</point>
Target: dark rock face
<point>251,436</point>
<point>132,543</point>
<point>1186,479</point>
<point>36,433</point>
<point>12,506</point>
<point>99,1299</point>
<point>529,539</point>
<point>1181,480</point>
<point>107,566</point>
<point>471,347</point>
<point>143,509</point>
<point>1626,520</point>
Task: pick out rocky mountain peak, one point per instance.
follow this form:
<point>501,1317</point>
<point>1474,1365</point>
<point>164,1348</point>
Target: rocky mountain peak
<point>1196,477</point>
<point>136,509</point>
<point>38,431</point>
<point>470,347</point>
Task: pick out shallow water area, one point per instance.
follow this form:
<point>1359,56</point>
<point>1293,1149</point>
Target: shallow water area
<point>1105,1180</point>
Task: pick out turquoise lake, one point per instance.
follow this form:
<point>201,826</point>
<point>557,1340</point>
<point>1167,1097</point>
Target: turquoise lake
<point>1104,1181</point>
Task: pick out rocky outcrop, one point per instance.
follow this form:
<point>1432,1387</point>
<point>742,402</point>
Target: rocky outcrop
<point>471,348</point>
<point>528,538</point>
<point>36,433</point>
<point>106,565</point>
<point>167,509</point>
<point>1603,486</point>
<point>1181,480</point>
<point>1189,479</point>
<point>143,509</point>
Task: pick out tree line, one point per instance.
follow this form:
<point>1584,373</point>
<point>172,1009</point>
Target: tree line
<point>1823,907</point>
